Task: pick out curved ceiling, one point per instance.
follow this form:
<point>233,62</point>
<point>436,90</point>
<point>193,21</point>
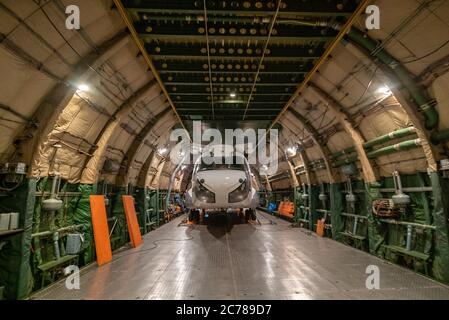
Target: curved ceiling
<point>88,104</point>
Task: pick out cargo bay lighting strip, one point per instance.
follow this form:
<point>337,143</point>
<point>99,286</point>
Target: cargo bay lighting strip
<point>360,9</point>
<point>123,13</point>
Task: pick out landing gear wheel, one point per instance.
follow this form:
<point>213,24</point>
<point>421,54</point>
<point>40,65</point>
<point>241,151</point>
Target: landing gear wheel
<point>241,215</point>
<point>253,215</point>
<point>194,216</point>
<point>248,215</point>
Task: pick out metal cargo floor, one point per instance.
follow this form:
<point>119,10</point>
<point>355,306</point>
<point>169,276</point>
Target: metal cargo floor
<point>263,261</point>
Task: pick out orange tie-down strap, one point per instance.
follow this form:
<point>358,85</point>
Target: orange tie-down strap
<point>101,230</point>
<point>131,219</point>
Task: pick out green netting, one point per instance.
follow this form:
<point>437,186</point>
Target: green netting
<point>120,233</point>
<point>82,216</point>
<point>140,196</point>
<point>376,230</point>
<point>15,270</point>
<point>298,203</point>
<point>418,212</point>
<point>313,196</point>
<point>440,267</point>
<point>337,220</point>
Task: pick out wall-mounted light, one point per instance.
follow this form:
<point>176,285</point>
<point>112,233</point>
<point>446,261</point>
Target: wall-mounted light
<point>233,95</point>
<point>162,151</point>
<point>385,90</point>
<point>291,151</point>
<point>83,88</point>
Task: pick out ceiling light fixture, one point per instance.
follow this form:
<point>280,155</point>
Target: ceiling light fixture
<point>292,151</point>
<point>83,87</point>
<point>384,90</point>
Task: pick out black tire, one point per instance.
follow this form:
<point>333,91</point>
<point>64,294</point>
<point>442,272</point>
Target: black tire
<point>194,215</point>
<point>253,215</point>
<point>247,215</point>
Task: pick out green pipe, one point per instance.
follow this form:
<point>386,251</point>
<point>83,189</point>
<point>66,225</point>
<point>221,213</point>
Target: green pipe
<point>390,136</point>
<point>51,232</point>
<point>382,139</point>
<point>342,152</point>
<point>405,223</point>
<point>440,136</point>
<point>406,145</point>
<point>418,94</point>
<point>347,160</point>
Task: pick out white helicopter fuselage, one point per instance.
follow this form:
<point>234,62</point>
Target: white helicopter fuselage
<point>222,187</point>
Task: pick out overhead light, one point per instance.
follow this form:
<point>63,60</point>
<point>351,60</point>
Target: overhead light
<point>292,151</point>
<point>384,90</point>
<point>233,95</point>
<point>162,151</point>
<point>83,87</point>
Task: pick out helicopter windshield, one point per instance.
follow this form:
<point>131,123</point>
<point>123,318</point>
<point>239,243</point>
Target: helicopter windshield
<point>223,163</point>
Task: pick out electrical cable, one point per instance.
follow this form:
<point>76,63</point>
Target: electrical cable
<point>9,189</point>
<point>427,54</point>
<point>155,246</point>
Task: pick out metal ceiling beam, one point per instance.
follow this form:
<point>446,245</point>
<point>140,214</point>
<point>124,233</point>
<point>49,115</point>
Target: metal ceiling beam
<point>227,118</point>
<point>182,110</point>
<point>345,120</point>
<point>233,110</point>
<point>317,139</point>
<point>233,58</point>
<point>218,84</point>
<point>232,72</point>
<point>227,94</point>
<point>128,22</point>
<point>220,38</point>
<point>279,66</point>
<point>233,49</point>
<point>93,165</point>
<point>230,102</point>
<point>128,159</point>
<point>285,14</point>
<point>48,111</point>
<point>360,9</point>
<point>188,18</point>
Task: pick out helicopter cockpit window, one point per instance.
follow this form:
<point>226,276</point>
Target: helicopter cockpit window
<point>223,163</point>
